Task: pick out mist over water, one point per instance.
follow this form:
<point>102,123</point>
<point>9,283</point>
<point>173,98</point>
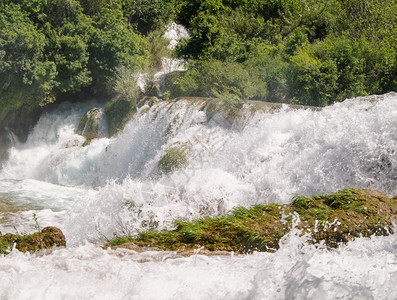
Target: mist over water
<point>113,185</point>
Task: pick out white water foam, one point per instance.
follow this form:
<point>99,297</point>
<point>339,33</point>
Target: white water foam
<point>364,269</point>
<point>113,186</point>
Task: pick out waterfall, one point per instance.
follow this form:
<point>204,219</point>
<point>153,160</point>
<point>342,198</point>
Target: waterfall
<point>114,185</point>
<point>174,32</point>
<point>266,158</point>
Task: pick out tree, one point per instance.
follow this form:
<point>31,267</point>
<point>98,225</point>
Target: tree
<point>113,43</point>
<point>26,78</point>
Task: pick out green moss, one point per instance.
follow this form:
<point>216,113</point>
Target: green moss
<point>119,240</point>
<point>340,198</point>
<point>240,230</point>
<point>192,232</point>
<point>47,238</point>
<point>260,227</point>
<point>357,207</point>
<point>173,159</point>
<point>118,113</point>
<point>89,124</point>
<point>302,202</point>
<point>319,213</point>
<point>254,213</point>
<point>82,122</point>
<point>5,247</point>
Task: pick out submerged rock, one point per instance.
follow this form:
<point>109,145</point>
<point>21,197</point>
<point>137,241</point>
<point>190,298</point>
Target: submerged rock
<point>47,238</point>
<point>332,219</point>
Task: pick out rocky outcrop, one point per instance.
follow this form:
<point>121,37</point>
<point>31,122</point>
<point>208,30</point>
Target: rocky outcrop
<point>47,238</point>
<point>5,143</point>
<point>331,219</point>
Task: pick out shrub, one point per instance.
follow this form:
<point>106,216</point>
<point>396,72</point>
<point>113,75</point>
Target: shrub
<point>125,84</point>
<point>213,77</point>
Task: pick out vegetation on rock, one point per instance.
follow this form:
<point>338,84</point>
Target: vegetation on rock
<point>334,218</point>
<point>47,238</point>
<point>118,113</point>
<point>89,124</point>
<point>173,159</point>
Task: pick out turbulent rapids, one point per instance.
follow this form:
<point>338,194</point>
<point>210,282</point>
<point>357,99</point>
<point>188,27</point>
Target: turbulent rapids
<point>115,185</point>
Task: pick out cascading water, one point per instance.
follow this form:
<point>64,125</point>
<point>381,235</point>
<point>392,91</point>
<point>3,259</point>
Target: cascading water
<point>114,185</point>
<point>174,32</point>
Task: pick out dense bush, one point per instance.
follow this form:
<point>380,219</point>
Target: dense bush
<point>307,52</point>
<point>51,49</point>
<point>25,75</point>
<point>209,78</point>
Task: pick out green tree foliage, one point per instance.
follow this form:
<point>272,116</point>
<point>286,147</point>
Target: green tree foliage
<point>149,15</point>
<point>213,77</point>
<point>338,68</point>
<point>297,51</point>
<point>302,51</point>
<point>25,76</point>
<point>56,48</point>
<point>272,71</point>
<point>113,43</point>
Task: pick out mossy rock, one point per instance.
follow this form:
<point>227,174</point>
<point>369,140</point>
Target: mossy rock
<point>350,213</point>
<point>118,113</point>
<point>89,124</point>
<point>173,159</point>
<point>333,218</point>
<point>47,238</point>
<point>147,100</point>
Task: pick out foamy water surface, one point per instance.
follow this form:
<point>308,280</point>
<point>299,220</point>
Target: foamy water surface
<point>113,186</point>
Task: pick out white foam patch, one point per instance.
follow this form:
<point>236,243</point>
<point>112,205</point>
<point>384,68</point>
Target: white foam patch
<point>365,269</point>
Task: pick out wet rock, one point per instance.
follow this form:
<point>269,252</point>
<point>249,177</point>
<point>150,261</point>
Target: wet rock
<point>5,143</point>
<point>20,121</point>
<point>141,253</point>
<point>90,124</point>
